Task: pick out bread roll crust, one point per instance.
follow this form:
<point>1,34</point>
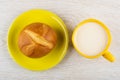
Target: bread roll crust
<point>37,40</point>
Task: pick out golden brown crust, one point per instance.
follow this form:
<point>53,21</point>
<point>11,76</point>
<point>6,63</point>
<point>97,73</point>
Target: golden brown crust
<point>37,40</point>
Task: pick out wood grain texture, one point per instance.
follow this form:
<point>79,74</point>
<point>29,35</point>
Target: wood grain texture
<point>73,66</point>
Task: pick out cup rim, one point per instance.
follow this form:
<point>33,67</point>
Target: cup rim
<point>103,26</point>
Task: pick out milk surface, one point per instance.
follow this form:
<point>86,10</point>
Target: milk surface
<point>91,39</point>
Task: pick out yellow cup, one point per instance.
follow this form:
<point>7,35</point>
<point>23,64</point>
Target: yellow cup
<point>105,53</point>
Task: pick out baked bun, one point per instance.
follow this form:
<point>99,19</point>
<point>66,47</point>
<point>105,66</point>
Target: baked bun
<point>37,40</point>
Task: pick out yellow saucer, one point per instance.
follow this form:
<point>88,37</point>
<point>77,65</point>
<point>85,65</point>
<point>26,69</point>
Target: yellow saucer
<point>55,56</point>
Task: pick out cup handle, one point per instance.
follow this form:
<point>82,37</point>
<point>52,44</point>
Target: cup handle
<point>107,55</point>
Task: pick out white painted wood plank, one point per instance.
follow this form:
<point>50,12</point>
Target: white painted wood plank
<point>73,66</point>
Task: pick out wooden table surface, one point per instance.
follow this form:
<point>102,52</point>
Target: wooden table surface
<point>73,66</point>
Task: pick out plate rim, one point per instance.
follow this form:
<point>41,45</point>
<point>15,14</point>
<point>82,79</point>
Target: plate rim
<point>65,33</point>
